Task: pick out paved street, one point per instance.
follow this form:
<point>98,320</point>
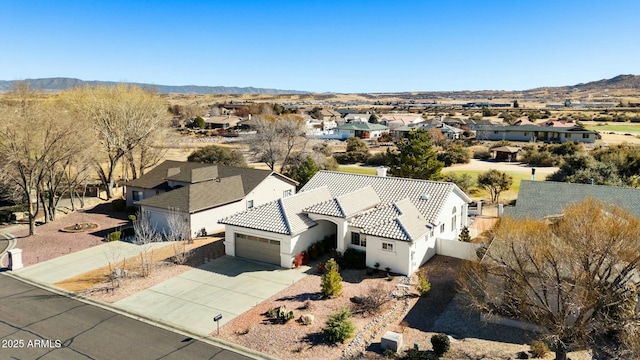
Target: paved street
<point>38,324</point>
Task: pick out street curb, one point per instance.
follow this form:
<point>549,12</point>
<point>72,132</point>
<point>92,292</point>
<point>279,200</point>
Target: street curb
<point>152,321</point>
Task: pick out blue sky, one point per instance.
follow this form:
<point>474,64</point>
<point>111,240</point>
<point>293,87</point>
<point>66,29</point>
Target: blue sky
<point>323,46</point>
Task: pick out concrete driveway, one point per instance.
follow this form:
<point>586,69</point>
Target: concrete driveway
<point>228,286</point>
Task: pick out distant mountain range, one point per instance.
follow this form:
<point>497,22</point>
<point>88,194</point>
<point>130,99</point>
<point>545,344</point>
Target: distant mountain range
<point>58,84</point>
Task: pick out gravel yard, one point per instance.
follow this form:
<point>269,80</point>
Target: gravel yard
<point>49,242</point>
<point>440,311</point>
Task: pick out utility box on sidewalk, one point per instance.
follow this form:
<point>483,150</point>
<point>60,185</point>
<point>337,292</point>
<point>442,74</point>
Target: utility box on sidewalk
<point>15,259</point>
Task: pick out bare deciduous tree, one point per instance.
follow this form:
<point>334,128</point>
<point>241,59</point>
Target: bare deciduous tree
<point>123,118</point>
<point>276,138</point>
<point>180,233</point>
<point>145,235</point>
<point>577,278</point>
<point>35,139</point>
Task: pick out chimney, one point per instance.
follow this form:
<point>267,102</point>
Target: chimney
<point>591,181</point>
<point>533,174</point>
<point>381,171</point>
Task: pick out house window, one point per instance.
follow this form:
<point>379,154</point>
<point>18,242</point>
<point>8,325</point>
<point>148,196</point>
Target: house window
<point>249,204</point>
<point>567,135</point>
<point>441,228</point>
<point>432,232</point>
<point>287,193</point>
<point>137,195</point>
<point>453,223</point>
<point>526,134</point>
<point>585,136</point>
<point>496,132</point>
<point>387,246</point>
<point>355,238</point>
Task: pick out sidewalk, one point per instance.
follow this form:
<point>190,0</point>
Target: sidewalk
<point>76,263</point>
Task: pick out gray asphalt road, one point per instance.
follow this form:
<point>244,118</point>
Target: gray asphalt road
<point>38,324</point>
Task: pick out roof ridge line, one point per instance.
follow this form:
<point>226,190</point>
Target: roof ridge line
<point>283,211</point>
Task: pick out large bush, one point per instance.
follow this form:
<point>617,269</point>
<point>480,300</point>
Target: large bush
<point>339,328</point>
<point>455,154</point>
<point>353,259</point>
<point>219,155</point>
<point>440,343</point>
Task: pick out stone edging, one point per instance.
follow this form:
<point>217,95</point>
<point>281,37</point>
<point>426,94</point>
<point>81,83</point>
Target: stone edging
<point>357,347</point>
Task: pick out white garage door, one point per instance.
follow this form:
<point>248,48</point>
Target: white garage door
<point>257,248</point>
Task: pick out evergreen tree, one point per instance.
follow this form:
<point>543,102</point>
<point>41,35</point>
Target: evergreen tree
<point>464,235</point>
<point>218,155</point>
<point>305,171</point>
<point>331,280</point>
<point>416,158</point>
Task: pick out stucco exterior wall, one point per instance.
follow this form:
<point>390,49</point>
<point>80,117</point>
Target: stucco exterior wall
<point>446,216</point>
<point>397,259</point>
<point>271,188</point>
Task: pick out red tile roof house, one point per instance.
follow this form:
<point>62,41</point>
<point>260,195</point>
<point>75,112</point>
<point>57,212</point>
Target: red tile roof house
<point>400,223</point>
<point>203,193</point>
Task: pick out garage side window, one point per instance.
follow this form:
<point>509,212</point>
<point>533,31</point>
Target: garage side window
<point>249,204</point>
<point>137,195</point>
<point>387,246</point>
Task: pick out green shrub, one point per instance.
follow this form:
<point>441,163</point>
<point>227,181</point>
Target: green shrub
<point>464,236</point>
<point>351,157</point>
<point>455,154</point>
<point>331,281</point>
<point>128,232</point>
<point>119,205</point>
<point>132,218</point>
<point>338,328</point>
<point>424,286</point>
<point>115,236</point>
<point>538,349</point>
<point>440,343</point>
<point>413,354</point>
<point>482,154</point>
<point>279,315</point>
<point>377,159</point>
<point>353,259</point>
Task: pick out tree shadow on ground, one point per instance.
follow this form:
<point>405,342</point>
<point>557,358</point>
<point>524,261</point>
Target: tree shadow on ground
<point>444,310</point>
<point>303,297</point>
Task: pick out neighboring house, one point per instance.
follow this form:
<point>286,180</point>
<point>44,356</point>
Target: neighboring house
<point>546,199</point>
<point>547,134</point>
<point>395,121</point>
<point>330,115</point>
<point>357,117</point>
<point>450,132</point>
<point>400,223</point>
<point>201,194</point>
<point>477,124</point>
<point>360,129</point>
<point>222,122</point>
<point>505,153</point>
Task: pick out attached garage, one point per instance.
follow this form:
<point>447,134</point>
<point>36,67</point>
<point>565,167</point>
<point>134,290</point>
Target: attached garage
<point>258,248</point>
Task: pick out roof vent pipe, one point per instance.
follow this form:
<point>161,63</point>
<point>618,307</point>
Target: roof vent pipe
<point>381,171</point>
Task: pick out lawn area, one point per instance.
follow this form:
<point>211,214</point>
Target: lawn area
<point>357,169</point>
<point>477,193</point>
<point>618,128</point>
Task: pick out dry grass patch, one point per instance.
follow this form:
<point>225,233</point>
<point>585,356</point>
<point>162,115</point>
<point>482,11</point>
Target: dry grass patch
<point>131,265</point>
